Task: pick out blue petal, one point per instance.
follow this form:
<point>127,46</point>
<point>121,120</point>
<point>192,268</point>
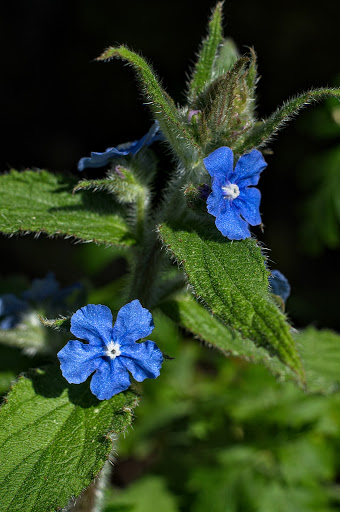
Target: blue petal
<point>100,159</point>
<point>230,224</point>
<point>42,289</point>
<point>153,135</point>
<point>93,323</point>
<point>111,378</point>
<point>130,148</point>
<point>133,323</point>
<point>9,304</point>
<point>248,204</point>
<point>64,294</point>
<point>9,322</point>
<point>143,360</point>
<point>248,168</point>
<point>78,361</point>
<point>216,200</point>
<point>219,164</point>
<point>279,284</point>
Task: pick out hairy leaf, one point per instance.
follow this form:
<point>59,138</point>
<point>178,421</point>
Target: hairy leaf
<point>54,439</point>
<point>203,72</point>
<point>161,104</point>
<point>39,202</point>
<point>230,277</point>
<point>188,313</point>
<point>263,131</point>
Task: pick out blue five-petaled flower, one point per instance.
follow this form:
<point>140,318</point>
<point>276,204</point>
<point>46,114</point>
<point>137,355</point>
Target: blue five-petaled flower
<point>234,201</point>
<point>129,148</point>
<point>111,351</point>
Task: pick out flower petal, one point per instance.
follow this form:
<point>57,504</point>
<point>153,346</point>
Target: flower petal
<point>42,289</point>
<point>153,135</point>
<point>93,323</point>
<point>9,304</point>
<point>248,204</point>
<point>78,361</point>
<point>129,148</point>
<point>143,360</point>
<point>111,378</point>
<point>219,163</point>
<point>230,224</point>
<point>9,321</point>
<point>279,284</point>
<point>133,323</point>
<point>216,201</point>
<point>248,168</point>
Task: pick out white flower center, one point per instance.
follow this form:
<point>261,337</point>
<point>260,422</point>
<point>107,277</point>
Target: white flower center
<point>112,350</point>
<point>231,191</point>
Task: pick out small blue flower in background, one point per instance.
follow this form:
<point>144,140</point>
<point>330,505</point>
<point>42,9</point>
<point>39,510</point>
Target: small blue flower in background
<point>10,309</point>
<point>111,351</point>
<point>279,284</point>
<point>129,148</point>
<point>48,289</point>
<point>233,200</point>
<point>45,292</point>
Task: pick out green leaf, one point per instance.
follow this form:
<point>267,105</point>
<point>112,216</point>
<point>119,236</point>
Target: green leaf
<point>55,438</point>
<point>191,315</point>
<point>263,131</point>
<point>204,68</point>
<point>231,279</point>
<point>42,202</point>
<point>172,124</point>
<point>320,354</point>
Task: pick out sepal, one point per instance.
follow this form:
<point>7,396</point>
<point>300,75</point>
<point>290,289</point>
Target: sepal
<point>228,54</point>
<point>204,69</point>
<point>62,323</point>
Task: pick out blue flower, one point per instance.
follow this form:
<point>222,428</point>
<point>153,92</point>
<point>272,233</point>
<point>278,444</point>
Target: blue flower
<point>10,310</point>
<point>48,289</point>
<point>129,148</point>
<point>44,292</point>
<point>279,284</point>
<point>233,201</point>
<point>111,352</point>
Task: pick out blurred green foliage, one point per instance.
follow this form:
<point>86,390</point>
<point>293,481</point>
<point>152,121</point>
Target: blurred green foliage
<point>222,435</point>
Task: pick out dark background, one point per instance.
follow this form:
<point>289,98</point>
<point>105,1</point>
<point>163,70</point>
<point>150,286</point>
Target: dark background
<point>58,104</point>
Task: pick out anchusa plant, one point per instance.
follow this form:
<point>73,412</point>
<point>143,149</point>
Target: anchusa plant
<point>194,261</point>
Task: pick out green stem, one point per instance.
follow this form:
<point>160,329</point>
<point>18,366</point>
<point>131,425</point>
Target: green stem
<point>142,203</point>
<point>148,257</point>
